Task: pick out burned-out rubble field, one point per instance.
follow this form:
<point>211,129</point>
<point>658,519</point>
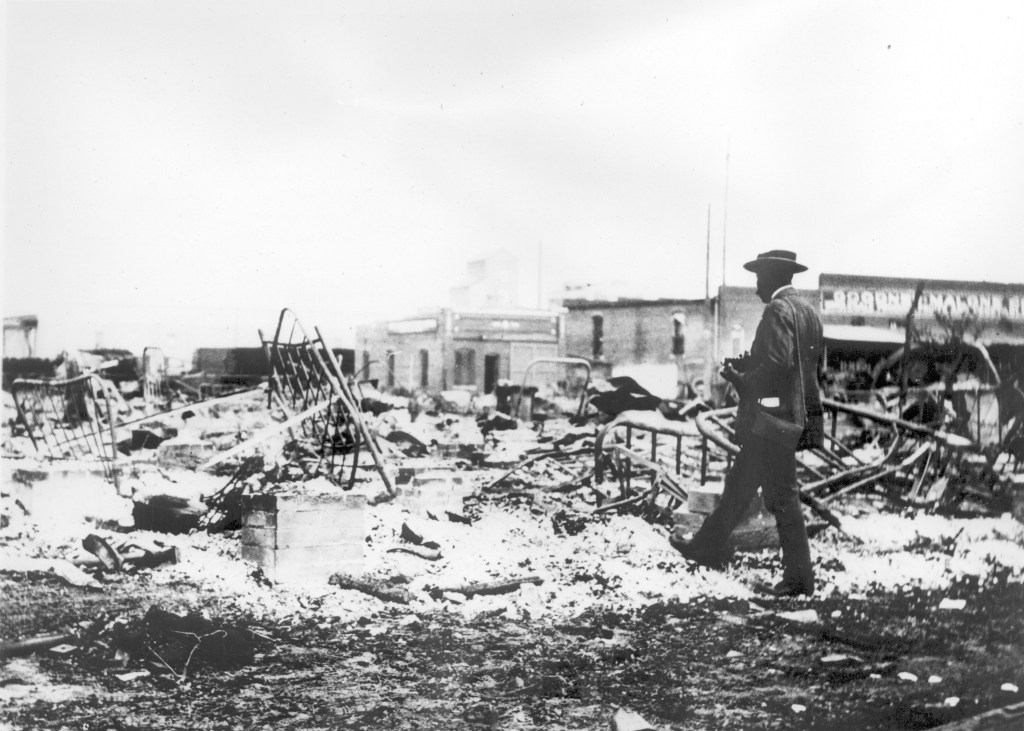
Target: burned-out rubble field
<point>517,604</point>
<point>707,663</point>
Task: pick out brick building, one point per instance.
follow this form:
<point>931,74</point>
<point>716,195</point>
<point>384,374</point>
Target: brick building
<point>460,350</point>
<point>20,336</point>
<point>872,309</point>
<point>665,341</point>
<point>661,342</point>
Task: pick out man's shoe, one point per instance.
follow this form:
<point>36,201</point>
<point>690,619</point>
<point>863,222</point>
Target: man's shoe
<point>688,551</point>
<point>786,588</point>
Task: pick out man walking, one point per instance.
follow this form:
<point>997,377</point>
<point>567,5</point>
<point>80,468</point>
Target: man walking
<point>779,413</point>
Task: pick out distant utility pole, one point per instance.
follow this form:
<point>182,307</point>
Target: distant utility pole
<point>707,263</point>
<point>725,210</point>
<point>540,269</point>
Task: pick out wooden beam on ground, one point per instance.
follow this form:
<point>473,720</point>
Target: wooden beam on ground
<point>266,434</point>
<point>376,589</point>
<point>492,587</point>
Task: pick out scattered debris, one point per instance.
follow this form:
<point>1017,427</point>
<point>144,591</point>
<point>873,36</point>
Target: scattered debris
<point>801,616</point>
<point>133,555</point>
<point>60,568</point>
<point>578,507</point>
<point>108,557</point>
<point>424,551</point>
<point>490,588</point>
<point>626,720</point>
<point>70,418</point>
<point>307,380</point>
<point>177,641</point>
<point>840,659</point>
<point>371,587</point>
<point>129,677</point>
<point>408,534</point>
<point>34,644</point>
<point>167,513</point>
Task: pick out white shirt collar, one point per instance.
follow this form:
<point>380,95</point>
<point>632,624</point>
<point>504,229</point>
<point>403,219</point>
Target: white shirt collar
<point>784,286</point>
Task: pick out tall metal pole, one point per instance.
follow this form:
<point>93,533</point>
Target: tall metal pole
<point>709,353</point>
<point>540,258</point>
<point>707,263</point>
<point>725,211</point>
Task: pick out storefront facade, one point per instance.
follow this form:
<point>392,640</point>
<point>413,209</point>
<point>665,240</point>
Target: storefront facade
<point>460,350</point>
<point>662,343</point>
<point>988,313</point>
<point>863,321</point>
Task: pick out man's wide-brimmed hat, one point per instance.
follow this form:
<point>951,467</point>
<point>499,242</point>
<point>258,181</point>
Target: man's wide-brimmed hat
<point>775,259</point>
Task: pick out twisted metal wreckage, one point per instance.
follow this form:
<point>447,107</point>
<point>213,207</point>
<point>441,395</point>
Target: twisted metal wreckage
<point>931,465</point>
<point>947,464</point>
<point>82,418</point>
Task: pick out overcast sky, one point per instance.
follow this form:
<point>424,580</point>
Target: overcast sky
<point>176,172</point>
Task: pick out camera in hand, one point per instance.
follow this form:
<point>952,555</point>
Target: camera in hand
<point>739,364</point>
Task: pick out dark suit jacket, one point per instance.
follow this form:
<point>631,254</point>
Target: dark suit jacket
<point>773,372</point>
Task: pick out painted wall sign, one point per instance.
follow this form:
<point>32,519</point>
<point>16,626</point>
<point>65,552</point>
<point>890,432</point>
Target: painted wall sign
<point>409,327</point>
<point>511,328</point>
<point>876,296</point>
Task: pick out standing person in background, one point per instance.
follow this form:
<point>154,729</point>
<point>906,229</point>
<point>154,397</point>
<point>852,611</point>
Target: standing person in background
<point>779,413</point>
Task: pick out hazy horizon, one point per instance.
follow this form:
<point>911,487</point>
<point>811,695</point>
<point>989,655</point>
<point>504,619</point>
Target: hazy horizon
<point>177,172</point>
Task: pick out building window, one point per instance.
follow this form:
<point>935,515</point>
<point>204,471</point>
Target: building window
<point>738,339</point>
<point>391,368</point>
<point>678,339</point>
<point>424,368</point>
<point>465,367</point>
<point>597,322</point>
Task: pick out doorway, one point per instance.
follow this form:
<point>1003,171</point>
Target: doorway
<point>424,368</point>
<point>492,364</point>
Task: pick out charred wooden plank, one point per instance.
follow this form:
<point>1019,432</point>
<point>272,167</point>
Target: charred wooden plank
<point>495,587</point>
<point>33,644</point>
<point>372,588</point>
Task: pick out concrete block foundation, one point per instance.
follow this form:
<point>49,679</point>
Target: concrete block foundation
<point>303,539</point>
<point>704,498</point>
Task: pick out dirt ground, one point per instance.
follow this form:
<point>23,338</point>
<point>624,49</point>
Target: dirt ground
<point>915,623</point>
<point>708,663</point>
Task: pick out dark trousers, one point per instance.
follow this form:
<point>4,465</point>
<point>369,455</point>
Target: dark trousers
<point>773,469</point>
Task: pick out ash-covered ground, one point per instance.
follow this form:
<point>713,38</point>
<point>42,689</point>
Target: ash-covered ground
<point>915,623</point>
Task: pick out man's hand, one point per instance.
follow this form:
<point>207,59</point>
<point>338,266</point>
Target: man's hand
<point>730,374</point>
